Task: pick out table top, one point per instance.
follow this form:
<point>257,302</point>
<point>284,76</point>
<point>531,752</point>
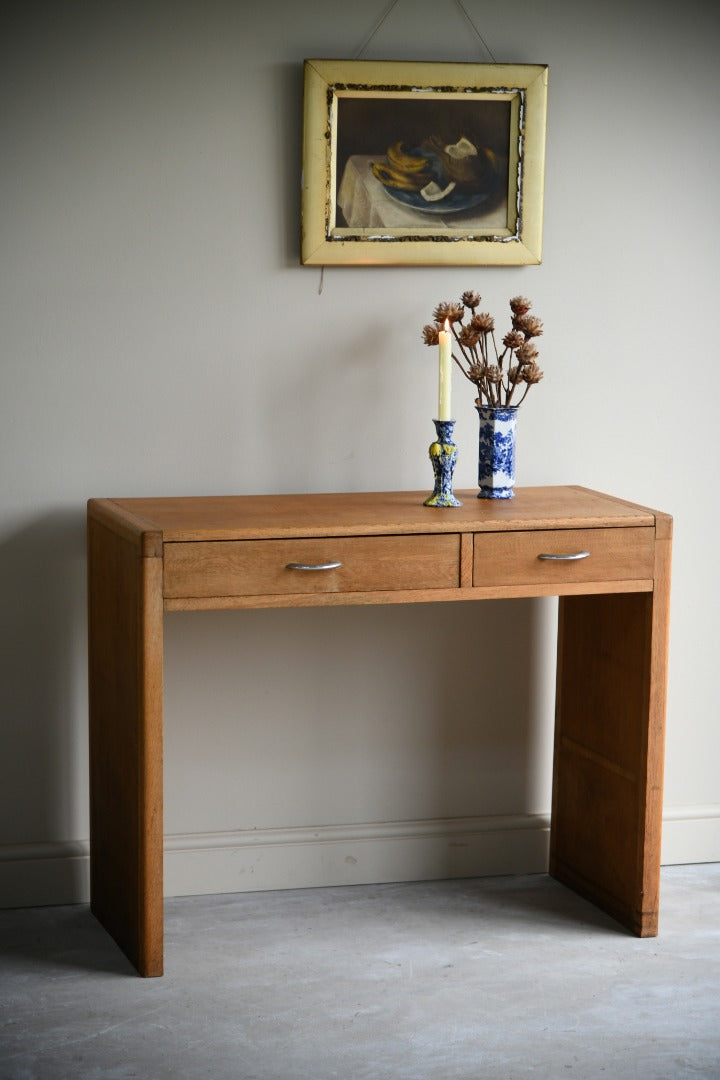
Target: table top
<point>244,517</point>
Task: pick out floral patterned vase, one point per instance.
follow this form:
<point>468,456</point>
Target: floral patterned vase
<point>496,451</point>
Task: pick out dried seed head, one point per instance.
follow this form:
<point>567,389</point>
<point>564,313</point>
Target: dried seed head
<point>529,325</point>
<point>520,305</point>
<point>531,374</point>
<point>430,335</point>
<point>471,300</point>
<point>527,353</point>
<point>513,339</point>
<point>469,336</point>
<point>483,322</point>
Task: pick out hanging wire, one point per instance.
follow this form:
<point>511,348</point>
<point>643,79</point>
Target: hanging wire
<point>371,35</point>
<point>374,31</point>
<point>388,10</point>
<point>475,30</point>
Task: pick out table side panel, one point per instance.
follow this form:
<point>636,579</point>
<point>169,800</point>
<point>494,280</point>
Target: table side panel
<point>601,718</point>
<point>649,836</point>
<point>609,746</point>
<point>125,712</point>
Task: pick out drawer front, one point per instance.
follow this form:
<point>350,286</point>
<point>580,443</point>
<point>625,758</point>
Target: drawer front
<point>514,558</point>
<point>262,567</point>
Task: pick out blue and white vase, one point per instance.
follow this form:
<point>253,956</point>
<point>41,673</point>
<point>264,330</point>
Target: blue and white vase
<point>496,451</point>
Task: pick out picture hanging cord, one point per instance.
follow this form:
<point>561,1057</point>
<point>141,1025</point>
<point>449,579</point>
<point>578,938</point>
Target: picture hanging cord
<point>458,3</point>
<point>475,30</point>
<point>371,35</point>
<point>375,29</point>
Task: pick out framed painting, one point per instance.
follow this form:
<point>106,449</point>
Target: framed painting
<point>423,163</point>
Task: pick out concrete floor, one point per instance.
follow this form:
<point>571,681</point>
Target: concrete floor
<point>501,978</point>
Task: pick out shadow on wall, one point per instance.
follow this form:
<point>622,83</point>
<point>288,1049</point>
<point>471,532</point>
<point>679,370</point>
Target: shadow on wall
<point>494,732</point>
<point>43,763</point>
<point>493,701</point>
<point>288,130</point>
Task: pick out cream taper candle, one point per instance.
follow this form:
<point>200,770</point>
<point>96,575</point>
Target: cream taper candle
<point>445,366</point>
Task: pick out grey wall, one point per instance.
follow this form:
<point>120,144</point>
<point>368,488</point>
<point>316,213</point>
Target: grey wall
<point>159,337</point>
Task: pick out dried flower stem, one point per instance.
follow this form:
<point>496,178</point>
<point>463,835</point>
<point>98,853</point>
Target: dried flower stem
<point>461,367</point>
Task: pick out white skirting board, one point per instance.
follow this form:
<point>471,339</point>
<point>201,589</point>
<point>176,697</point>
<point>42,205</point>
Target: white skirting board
<point>35,875</point>
<point>356,854</point>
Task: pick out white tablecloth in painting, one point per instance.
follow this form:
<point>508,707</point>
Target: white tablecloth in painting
<point>366,205</point>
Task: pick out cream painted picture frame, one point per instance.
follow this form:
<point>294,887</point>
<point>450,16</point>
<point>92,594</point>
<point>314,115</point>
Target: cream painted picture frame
<point>423,163</point>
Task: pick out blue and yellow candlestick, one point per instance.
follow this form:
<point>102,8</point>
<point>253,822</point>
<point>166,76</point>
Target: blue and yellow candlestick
<point>443,455</point>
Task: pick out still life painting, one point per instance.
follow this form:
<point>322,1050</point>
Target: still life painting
<point>432,164</point>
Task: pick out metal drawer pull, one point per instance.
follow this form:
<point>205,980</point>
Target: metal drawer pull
<point>566,558</point>
<point>313,566</point>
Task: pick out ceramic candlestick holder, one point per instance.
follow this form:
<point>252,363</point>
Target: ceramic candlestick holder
<point>443,455</point>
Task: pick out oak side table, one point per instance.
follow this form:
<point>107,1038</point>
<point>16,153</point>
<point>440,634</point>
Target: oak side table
<point>607,559</point>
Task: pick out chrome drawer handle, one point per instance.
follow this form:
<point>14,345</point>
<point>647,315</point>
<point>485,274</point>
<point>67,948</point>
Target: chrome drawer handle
<point>313,566</point>
<point>566,558</point>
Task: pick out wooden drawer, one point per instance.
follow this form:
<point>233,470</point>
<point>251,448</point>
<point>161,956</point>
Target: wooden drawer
<point>261,567</point>
<point>514,558</point>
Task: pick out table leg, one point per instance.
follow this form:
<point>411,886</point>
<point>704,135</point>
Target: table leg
<point>125,647</point>
<point>609,751</point>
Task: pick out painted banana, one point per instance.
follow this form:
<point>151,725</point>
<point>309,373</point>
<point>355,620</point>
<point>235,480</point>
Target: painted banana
<point>405,181</point>
<point>403,162</point>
